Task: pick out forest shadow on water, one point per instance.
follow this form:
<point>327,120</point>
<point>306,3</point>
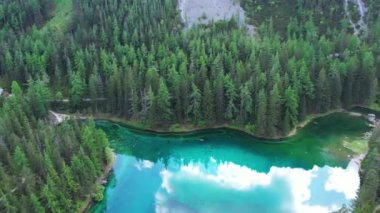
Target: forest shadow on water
<point>224,170</point>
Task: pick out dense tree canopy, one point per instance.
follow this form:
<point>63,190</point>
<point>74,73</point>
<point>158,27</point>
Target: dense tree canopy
<point>135,54</point>
<point>45,167</point>
<point>369,194</point>
<point>133,59</point>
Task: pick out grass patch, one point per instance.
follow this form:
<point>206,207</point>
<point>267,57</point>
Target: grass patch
<point>375,106</point>
<point>136,124</point>
<point>175,128</point>
<point>61,16</point>
<point>3,82</point>
<point>358,146</point>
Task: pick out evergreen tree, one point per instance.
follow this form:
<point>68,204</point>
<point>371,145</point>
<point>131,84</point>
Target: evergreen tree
<point>261,113</point>
<point>208,103</point>
<point>195,106</point>
<point>273,115</point>
<point>39,97</point>
<point>245,103</point>
<point>291,106</point>
<point>231,98</point>
<point>323,92</point>
<point>219,100</point>
<point>93,87</point>
<point>151,106</point>
<point>163,101</point>
<point>77,87</point>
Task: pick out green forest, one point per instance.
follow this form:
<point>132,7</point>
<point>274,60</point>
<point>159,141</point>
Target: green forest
<point>149,70</point>
<point>46,168</point>
<point>368,195</point>
<point>133,59</point>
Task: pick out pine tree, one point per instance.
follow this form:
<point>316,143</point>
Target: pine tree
<point>174,81</point>
<point>135,101</point>
<point>323,92</point>
<point>39,97</point>
<point>219,100</point>
<point>336,87</point>
<point>261,113</point>
<point>72,185</point>
<point>151,102</point>
<point>77,87</point>
<point>20,161</point>
<point>245,103</point>
<point>231,98</point>
<point>163,101</point>
<point>208,103</point>
<point>93,86</point>
<point>291,105</point>
<point>195,104</point>
<point>274,105</point>
<point>37,206</point>
<point>16,90</point>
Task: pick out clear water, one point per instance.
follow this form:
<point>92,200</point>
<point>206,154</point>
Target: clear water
<point>228,171</point>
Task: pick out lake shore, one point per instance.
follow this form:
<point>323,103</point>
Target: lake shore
<point>86,205</point>
<point>358,159</point>
<point>189,128</point>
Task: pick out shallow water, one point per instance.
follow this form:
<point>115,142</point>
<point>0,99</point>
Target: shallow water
<point>227,171</point>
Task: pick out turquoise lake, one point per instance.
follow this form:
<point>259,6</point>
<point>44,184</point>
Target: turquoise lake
<point>228,171</point>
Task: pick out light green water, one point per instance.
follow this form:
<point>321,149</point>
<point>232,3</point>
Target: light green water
<point>227,171</point>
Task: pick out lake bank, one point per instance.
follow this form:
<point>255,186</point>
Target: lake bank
<point>101,180</point>
<point>189,128</point>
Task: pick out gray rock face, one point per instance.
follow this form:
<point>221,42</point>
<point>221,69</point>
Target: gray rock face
<point>360,26</point>
<point>204,11</point>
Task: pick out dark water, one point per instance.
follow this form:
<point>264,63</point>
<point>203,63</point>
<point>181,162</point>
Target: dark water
<point>227,171</point>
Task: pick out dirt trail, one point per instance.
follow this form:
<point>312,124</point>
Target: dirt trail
<point>58,118</point>
<point>377,209</point>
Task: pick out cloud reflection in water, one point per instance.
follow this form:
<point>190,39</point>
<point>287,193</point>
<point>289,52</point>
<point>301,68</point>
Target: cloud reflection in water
<point>198,188</point>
